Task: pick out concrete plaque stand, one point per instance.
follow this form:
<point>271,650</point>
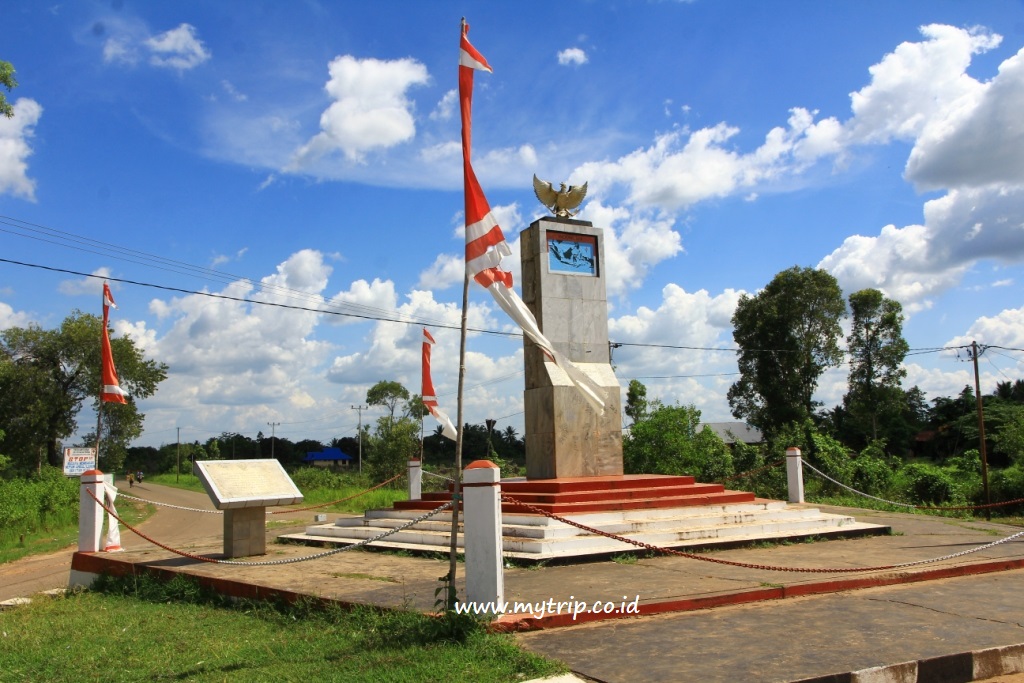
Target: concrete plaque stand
<point>243,489</point>
<point>564,287</point>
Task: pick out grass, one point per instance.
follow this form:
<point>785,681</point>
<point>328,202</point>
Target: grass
<point>61,537</point>
<point>142,630</point>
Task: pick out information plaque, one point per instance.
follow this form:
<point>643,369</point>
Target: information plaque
<point>247,483</point>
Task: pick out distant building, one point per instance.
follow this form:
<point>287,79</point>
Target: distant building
<point>328,457</point>
<point>731,432</point>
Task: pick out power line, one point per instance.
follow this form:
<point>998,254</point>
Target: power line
<point>393,317</point>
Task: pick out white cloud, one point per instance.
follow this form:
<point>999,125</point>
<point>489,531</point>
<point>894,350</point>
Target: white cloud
<point>120,51</point>
<point>364,298</point>
<point>228,353</point>
<point>572,55</point>
<point>15,150</point>
<point>233,92</point>
<point>10,318</point>
<point>178,48</point>
<point>90,286</point>
<point>370,108</point>
<point>446,106</point>
<point>976,140</point>
<point>1004,329</point>
<point>918,83</point>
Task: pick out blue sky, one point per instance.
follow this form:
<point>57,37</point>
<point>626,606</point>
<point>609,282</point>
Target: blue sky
<point>308,153</point>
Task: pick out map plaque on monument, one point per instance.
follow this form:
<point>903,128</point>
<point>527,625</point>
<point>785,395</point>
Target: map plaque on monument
<point>243,489</point>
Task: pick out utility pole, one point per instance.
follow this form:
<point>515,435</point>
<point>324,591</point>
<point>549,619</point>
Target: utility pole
<point>981,428</point>
<point>360,408</point>
<point>177,468</point>
<point>273,426</point>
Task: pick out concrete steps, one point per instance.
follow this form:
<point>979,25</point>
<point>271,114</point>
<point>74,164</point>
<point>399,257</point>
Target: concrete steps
<point>536,537</point>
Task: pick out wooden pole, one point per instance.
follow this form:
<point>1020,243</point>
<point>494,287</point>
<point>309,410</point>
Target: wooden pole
<point>981,430</point>
<point>457,475</point>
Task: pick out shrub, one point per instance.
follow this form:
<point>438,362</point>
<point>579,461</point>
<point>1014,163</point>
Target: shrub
<point>926,484</point>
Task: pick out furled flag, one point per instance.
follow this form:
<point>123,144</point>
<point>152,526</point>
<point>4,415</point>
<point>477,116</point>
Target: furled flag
<point>111,391</point>
<point>113,542</point>
<point>427,393</point>
<point>485,243</point>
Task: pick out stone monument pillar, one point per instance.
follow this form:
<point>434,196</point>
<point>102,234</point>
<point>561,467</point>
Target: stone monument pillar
<point>564,287</point>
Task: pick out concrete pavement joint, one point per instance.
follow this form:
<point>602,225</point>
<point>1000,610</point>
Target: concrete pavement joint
<point>947,613</point>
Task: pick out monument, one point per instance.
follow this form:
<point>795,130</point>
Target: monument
<point>573,449</point>
<point>564,287</point>
<point>244,489</point>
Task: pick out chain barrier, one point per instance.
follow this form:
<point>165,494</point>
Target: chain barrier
<point>340,500</point>
<point>747,565</point>
<point>437,476</point>
<point>272,512</point>
<point>908,505</point>
<point>271,563</point>
<point>168,505</point>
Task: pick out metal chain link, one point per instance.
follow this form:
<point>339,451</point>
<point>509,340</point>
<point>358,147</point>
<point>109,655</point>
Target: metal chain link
<point>270,563</point>
<point>746,565</point>
<point>437,476</point>
<point>272,512</point>
<point>908,505</point>
<point>168,505</point>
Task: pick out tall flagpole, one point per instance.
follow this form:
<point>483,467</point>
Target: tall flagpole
<point>99,408</point>
<point>457,475</point>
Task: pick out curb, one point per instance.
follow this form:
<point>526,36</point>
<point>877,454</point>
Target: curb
<point>520,623</point>
<point>958,668</point>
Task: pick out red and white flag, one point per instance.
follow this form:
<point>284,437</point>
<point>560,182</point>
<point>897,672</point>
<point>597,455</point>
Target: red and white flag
<point>485,243</point>
<point>427,392</point>
<point>111,391</point>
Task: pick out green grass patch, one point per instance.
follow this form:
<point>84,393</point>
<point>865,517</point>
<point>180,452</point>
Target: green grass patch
<point>141,630</point>
<point>180,481</point>
<point>39,515</point>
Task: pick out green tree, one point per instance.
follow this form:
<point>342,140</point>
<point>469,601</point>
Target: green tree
<point>788,336</point>
<point>389,395</point>
<point>47,375</point>
<point>669,440</point>
<point>8,81</point>
<point>636,401</point>
<point>391,446</point>
<point>877,349</point>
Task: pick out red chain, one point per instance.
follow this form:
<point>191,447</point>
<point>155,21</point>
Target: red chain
<point>693,556</point>
<point>151,540</point>
<point>335,502</point>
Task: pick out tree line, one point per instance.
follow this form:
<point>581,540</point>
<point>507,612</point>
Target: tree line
<point>787,336</point>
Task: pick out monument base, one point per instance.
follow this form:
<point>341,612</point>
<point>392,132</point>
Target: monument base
<point>245,532</point>
<point>571,495</point>
<point>665,511</point>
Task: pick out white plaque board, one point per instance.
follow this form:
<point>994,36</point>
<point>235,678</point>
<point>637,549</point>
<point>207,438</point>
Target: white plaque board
<point>247,483</point>
<point>78,461</point>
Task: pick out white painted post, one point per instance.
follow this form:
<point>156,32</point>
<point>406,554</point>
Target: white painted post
<point>485,578</point>
<point>795,475</point>
<point>415,476</point>
<point>90,513</point>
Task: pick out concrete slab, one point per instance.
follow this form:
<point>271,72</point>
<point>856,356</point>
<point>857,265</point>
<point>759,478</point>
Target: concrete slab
<point>706,621</point>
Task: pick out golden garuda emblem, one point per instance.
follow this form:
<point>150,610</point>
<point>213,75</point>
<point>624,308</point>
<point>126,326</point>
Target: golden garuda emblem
<point>560,202</point>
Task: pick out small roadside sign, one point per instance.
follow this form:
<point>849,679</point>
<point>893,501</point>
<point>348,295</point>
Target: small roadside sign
<point>79,460</point>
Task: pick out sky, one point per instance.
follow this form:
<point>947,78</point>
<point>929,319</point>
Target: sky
<point>307,154</point>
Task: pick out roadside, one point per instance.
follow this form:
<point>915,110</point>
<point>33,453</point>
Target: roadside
<point>38,573</point>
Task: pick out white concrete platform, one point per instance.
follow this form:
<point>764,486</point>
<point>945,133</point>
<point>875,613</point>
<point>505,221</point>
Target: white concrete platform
<point>535,537</point>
